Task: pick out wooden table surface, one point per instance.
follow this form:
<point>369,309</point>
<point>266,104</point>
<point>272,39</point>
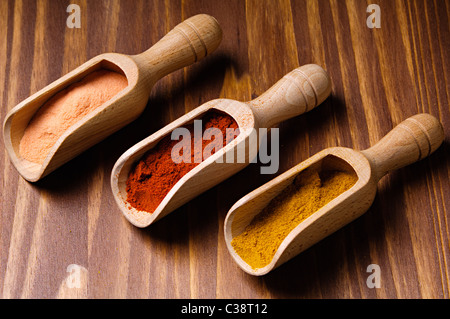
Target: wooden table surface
<point>380,77</point>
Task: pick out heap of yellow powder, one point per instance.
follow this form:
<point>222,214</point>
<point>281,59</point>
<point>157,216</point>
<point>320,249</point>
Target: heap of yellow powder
<point>66,108</point>
<point>311,190</point>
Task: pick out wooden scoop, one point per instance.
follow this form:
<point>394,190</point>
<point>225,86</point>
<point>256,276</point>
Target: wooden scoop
<point>412,140</point>
<point>297,92</point>
<point>188,42</point>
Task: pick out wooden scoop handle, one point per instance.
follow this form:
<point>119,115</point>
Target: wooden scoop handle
<point>412,140</point>
<point>189,42</point>
<point>297,92</point>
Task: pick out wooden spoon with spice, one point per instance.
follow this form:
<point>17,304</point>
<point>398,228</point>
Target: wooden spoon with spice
<point>295,210</point>
<point>189,42</point>
<point>297,92</point>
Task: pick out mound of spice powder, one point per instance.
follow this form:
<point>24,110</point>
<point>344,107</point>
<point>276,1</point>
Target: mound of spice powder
<point>156,173</point>
<point>310,191</point>
<point>66,108</point>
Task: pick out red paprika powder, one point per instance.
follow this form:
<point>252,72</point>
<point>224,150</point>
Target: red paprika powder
<point>156,173</point>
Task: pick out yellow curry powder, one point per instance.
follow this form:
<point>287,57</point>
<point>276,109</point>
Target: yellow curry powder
<point>311,190</point>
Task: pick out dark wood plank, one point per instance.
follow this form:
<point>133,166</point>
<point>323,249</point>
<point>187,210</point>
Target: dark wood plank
<point>380,77</point>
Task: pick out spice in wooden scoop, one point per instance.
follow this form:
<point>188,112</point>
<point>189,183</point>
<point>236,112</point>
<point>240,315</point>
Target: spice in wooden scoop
<point>66,108</point>
<point>156,173</point>
<point>310,191</point>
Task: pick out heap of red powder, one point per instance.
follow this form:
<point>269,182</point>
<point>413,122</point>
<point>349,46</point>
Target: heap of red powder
<point>156,173</point>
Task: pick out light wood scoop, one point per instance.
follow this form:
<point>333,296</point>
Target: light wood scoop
<point>297,92</point>
<point>188,42</point>
<point>410,141</point>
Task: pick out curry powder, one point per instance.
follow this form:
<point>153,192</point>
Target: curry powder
<point>310,191</point>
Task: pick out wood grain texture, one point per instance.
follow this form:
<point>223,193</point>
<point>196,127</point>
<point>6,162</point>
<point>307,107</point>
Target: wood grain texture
<point>379,76</point>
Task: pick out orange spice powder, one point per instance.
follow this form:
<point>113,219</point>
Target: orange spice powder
<point>65,109</point>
